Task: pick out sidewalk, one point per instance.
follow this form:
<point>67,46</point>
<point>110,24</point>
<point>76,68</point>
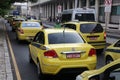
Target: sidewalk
<point>5,66</point>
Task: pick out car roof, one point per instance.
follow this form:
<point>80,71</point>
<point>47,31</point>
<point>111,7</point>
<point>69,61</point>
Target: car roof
<point>81,22</point>
<point>29,22</point>
<point>94,72</point>
<point>55,30</point>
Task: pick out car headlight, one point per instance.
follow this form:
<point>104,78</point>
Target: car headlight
<point>79,77</point>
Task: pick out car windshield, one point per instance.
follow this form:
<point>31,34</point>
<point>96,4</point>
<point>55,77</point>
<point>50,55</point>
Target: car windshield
<point>31,24</point>
<point>85,17</point>
<point>65,37</point>
<point>91,28</point>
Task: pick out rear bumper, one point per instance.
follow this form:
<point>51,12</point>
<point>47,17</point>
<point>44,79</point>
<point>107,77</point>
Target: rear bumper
<point>23,37</point>
<point>76,66</point>
<point>98,45</point>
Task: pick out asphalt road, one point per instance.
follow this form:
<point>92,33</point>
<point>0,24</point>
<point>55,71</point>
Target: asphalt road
<point>29,71</point>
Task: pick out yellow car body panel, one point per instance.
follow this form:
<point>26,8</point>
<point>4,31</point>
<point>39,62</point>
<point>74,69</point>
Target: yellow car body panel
<point>55,65</point>
<point>86,75</point>
<point>28,32</point>
<point>113,51</point>
<point>96,39</point>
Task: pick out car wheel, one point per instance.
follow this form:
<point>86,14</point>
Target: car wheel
<point>13,29</point>
<point>39,72</point>
<point>17,39</point>
<point>30,58</point>
<point>108,60</point>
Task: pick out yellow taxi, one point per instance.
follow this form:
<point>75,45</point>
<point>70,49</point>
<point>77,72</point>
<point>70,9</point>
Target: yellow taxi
<point>15,23</point>
<point>110,71</point>
<point>56,51</point>
<point>112,52</point>
<point>92,32</point>
<point>27,30</point>
<point>36,20</point>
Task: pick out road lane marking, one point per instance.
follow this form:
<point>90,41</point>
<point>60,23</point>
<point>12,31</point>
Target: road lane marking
<point>13,57</point>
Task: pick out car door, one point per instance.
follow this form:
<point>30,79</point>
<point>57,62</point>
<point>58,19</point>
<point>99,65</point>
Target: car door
<point>110,73</point>
<point>36,44</point>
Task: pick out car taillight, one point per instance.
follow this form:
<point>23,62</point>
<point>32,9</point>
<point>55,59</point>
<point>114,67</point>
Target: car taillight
<point>50,54</point>
<point>21,31</point>
<point>13,23</point>
<point>104,35</point>
<point>92,52</point>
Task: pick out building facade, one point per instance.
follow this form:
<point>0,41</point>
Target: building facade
<point>47,8</point>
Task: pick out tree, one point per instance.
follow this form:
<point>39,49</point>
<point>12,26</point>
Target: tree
<point>6,4</point>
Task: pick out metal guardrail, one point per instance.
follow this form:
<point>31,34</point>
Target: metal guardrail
<point>112,26</point>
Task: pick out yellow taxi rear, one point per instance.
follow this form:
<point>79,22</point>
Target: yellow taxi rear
<point>92,32</point>
<point>27,30</point>
<point>62,52</point>
<point>67,59</point>
<point>15,23</point>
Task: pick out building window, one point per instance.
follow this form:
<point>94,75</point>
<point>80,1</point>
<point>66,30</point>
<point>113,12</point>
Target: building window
<point>71,5</point>
<point>83,3</point>
<point>78,3</point>
<point>102,2</point>
<point>92,2</point>
<point>65,4</point>
<point>115,10</point>
<point>101,11</point>
<point>118,10</point>
<point>115,1</point>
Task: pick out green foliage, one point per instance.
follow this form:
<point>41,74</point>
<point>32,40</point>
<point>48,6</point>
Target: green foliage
<point>6,4</point>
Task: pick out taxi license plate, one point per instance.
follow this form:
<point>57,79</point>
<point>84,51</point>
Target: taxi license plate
<point>73,55</point>
<point>92,38</point>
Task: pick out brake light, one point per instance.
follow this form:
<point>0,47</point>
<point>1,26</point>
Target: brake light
<point>13,23</point>
<point>92,52</point>
<point>50,54</point>
<point>21,31</point>
<point>104,35</point>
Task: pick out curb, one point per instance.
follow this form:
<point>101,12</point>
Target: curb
<point>9,75</point>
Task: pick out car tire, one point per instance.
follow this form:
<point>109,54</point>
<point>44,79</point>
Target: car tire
<point>41,76</point>
<point>13,30</point>
<point>108,59</point>
<point>30,58</point>
<point>17,39</point>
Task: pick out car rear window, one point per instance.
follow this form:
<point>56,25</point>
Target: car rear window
<point>34,24</point>
<point>91,28</point>
<point>65,37</point>
<point>71,26</point>
<point>19,20</point>
<point>85,17</point>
